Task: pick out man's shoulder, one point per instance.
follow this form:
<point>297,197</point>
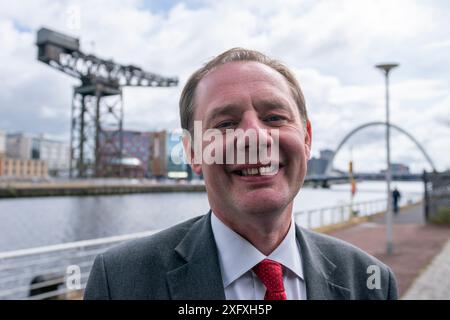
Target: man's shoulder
<point>136,269</point>
<point>347,266</point>
<point>160,244</point>
<point>339,251</point>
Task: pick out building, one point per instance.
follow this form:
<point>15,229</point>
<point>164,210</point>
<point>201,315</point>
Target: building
<point>176,164</point>
<point>135,154</point>
<point>29,147</point>
<point>56,153</point>
<point>397,169</point>
<point>20,168</point>
<point>317,166</point>
<point>16,167</point>
<point>18,146</point>
<point>326,154</point>
<point>143,150</point>
<point>159,153</point>
<point>2,143</point>
<point>127,167</point>
<point>2,151</point>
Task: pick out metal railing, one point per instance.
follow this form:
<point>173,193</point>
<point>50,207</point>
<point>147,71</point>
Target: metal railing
<point>43,272</point>
<point>320,217</point>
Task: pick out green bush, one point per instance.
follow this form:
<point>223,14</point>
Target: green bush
<point>442,216</point>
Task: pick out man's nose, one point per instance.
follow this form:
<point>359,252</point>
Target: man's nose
<point>252,124</point>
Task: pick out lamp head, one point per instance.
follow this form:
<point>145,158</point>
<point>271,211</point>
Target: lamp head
<point>386,67</point>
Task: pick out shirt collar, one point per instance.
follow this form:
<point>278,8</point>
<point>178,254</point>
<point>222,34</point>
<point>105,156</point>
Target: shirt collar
<point>232,266</point>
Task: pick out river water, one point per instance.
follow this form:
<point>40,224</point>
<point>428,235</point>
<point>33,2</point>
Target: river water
<point>34,222</point>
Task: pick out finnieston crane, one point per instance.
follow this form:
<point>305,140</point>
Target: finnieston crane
<point>97,104</point>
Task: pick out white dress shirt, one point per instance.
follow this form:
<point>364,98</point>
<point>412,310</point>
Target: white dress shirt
<point>237,257</point>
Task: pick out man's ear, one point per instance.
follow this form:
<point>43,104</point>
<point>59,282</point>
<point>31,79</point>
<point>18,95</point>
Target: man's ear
<point>189,151</point>
<point>308,139</point>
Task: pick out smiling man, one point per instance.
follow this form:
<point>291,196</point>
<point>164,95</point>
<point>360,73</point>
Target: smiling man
<point>248,246</point>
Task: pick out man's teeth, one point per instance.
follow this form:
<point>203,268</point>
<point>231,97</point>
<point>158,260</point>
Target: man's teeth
<point>250,172</point>
<point>259,171</point>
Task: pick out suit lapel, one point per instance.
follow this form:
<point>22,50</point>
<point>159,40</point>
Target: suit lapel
<point>200,277</point>
<point>318,271</point>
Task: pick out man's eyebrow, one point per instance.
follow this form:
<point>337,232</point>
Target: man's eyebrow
<point>222,110</point>
<point>261,105</point>
<point>273,104</point>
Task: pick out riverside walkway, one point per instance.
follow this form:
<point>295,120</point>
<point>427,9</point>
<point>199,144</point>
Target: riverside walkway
<point>434,281</point>
<point>421,258</point>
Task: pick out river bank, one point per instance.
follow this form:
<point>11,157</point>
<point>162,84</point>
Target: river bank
<point>86,188</point>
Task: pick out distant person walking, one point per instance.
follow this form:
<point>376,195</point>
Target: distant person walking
<point>396,195</point>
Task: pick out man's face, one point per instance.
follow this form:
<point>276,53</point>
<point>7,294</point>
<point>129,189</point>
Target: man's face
<point>252,96</point>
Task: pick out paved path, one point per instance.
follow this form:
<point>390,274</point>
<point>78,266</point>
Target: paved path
<point>410,214</point>
<point>434,282</point>
<point>415,243</point>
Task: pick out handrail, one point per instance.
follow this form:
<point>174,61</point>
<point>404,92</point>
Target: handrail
<point>73,245</point>
<point>341,206</point>
<point>20,268</point>
<point>327,215</point>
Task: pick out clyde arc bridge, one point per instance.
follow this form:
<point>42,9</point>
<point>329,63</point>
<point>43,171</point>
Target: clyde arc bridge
<point>330,174</point>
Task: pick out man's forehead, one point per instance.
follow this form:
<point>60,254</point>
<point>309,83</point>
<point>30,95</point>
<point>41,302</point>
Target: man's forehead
<point>235,82</point>
<point>236,72</point>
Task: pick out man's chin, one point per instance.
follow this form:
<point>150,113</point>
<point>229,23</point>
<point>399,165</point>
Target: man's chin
<point>259,204</point>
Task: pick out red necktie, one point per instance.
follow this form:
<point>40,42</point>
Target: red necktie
<point>271,275</point>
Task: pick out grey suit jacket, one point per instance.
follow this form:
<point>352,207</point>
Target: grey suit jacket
<point>182,263</point>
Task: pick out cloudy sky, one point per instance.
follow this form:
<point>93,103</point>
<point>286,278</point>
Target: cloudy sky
<point>331,45</point>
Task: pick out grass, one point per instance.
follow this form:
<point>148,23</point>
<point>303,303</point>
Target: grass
<point>442,216</point>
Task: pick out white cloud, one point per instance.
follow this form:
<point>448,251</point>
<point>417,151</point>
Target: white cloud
<point>331,45</point>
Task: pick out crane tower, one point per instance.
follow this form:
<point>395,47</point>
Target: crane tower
<point>97,105</point>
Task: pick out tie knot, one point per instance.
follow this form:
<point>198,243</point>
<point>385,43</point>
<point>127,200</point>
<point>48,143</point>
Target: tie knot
<point>271,275</point>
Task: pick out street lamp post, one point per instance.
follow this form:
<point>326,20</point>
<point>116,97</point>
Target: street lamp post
<point>386,68</point>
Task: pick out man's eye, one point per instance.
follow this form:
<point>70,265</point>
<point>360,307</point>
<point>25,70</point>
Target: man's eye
<point>275,119</point>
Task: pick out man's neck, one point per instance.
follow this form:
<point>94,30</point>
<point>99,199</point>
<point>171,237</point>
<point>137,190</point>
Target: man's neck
<point>264,233</point>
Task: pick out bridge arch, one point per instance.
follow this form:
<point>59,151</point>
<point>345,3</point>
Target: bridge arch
<point>373,124</point>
